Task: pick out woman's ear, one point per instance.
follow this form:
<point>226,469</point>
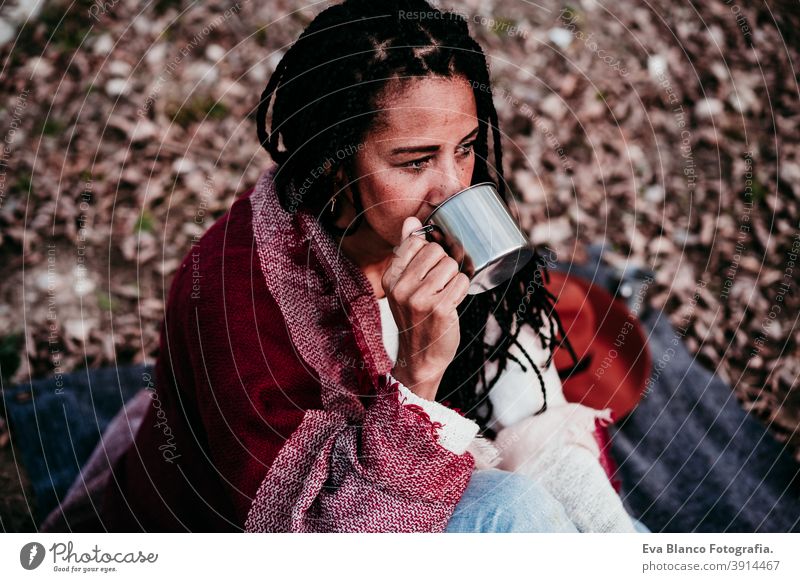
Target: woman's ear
<point>340,182</point>
<point>338,178</point>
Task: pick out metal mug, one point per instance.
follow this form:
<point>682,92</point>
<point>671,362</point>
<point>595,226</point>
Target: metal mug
<point>476,228</point>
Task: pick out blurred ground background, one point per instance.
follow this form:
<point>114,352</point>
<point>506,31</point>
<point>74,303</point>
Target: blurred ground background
<point>668,130</point>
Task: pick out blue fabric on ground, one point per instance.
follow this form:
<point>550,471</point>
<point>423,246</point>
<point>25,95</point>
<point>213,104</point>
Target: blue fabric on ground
<point>690,458</point>
<point>55,423</point>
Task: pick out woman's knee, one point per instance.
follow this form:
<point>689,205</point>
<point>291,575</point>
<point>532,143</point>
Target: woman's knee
<point>501,501</point>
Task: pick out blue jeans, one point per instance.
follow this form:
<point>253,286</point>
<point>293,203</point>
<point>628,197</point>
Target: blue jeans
<point>501,501</point>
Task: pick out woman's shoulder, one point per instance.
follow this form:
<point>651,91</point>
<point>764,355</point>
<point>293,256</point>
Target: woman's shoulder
<point>231,232</point>
<point>222,270</point>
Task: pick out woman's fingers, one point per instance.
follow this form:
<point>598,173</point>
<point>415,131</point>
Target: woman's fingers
<point>426,259</point>
<point>410,224</point>
<point>403,254</point>
<point>455,291</point>
<point>439,275</point>
<point>420,268</point>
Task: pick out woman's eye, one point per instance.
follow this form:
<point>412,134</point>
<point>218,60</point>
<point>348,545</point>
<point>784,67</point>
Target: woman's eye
<point>417,165</point>
<point>467,148</point>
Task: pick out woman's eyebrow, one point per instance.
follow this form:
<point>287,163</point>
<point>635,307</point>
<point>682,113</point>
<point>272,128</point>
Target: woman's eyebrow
<point>430,148</point>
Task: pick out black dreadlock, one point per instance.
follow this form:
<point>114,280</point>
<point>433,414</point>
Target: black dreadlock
<point>325,90</point>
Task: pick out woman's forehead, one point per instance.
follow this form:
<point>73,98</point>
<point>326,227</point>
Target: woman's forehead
<point>433,108</point>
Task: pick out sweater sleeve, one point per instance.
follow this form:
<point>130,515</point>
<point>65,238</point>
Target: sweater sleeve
<point>454,431</point>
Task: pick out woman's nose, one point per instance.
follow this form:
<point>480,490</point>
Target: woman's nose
<point>450,182</point>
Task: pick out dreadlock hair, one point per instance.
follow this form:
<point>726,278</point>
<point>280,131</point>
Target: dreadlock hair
<point>325,91</point>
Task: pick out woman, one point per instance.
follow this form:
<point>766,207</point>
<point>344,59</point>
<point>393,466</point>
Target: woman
<point>321,368</point>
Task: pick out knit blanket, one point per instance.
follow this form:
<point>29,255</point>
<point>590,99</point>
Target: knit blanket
<point>348,467</point>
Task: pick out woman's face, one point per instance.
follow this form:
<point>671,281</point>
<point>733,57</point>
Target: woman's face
<point>420,152</point>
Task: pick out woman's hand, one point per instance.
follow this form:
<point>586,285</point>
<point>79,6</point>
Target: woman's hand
<point>424,286</point>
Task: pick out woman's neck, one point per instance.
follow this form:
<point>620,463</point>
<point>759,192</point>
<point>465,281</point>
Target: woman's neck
<point>370,253</point>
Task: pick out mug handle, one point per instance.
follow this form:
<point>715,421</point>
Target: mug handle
<point>424,231</point>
